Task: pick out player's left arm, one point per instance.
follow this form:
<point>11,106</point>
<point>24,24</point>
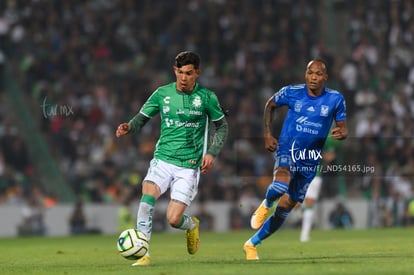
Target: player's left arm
<point>219,139</point>
<point>340,131</point>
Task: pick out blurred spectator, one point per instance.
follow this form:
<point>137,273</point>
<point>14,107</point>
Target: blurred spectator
<point>206,219</point>
<point>14,150</point>
<point>399,193</point>
<point>77,219</point>
<point>340,217</point>
<point>248,202</point>
<point>33,218</point>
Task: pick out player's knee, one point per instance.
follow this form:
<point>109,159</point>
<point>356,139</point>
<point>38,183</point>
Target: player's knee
<point>282,174</point>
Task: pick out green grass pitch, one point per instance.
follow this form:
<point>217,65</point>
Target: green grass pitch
<point>376,251</point>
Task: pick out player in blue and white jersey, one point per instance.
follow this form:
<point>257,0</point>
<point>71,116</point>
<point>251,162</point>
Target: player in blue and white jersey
<point>312,108</point>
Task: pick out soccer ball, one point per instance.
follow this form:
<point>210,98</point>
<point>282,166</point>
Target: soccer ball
<point>132,244</point>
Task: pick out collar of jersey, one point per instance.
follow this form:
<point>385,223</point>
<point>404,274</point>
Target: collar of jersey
<point>314,97</point>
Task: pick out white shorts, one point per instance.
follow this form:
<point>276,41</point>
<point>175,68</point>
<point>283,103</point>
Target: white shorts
<point>314,188</point>
<point>182,181</point>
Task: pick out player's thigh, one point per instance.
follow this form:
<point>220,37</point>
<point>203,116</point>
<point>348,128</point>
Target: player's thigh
<point>299,185</point>
<point>159,173</point>
<point>184,186</point>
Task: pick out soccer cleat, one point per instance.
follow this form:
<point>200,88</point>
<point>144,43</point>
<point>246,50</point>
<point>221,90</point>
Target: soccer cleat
<point>251,252</point>
<point>144,261</point>
<point>193,237</point>
<point>304,238</point>
<point>259,216</point>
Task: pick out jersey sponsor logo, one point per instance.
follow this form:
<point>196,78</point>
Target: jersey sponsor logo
<point>167,99</point>
<point>307,130</point>
<point>305,126</point>
<point>196,113</point>
<point>304,120</point>
<point>324,110</point>
<point>169,122</point>
<point>304,154</point>
<point>187,124</point>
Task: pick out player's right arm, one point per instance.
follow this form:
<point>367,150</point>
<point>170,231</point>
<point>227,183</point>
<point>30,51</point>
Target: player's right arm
<point>148,110</point>
<point>270,141</point>
<point>134,125</point>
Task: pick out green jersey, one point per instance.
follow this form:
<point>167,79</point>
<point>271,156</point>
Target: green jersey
<point>184,123</point>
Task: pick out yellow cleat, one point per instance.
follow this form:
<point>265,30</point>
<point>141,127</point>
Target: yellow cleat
<point>193,237</point>
<point>251,252</point>
<point>144,261</point>
<point>259,216</point>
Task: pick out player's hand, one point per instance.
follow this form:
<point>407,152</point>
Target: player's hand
<point>337,133</point>
<point>270,143</point>
<point>122,129</point>
<point>207,163</point>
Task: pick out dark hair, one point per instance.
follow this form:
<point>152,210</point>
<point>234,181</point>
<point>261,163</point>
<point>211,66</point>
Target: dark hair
<point>187,58</point>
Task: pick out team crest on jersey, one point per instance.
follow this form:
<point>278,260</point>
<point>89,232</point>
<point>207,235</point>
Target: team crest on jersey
<point>197,102</point>
<point>298,106</point>
<point>324,110</point>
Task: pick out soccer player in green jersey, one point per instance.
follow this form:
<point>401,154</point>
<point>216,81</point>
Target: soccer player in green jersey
<point>183,149</point>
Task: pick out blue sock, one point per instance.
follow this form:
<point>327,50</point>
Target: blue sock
<point>271,225</point>
<point>275,190</point>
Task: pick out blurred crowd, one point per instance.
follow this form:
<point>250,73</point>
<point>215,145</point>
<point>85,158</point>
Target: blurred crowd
<point>86,66</point>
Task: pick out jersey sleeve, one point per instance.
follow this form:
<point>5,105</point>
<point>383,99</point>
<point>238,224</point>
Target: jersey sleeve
<point>341,109</point>
<point>214,109</point>
<point>151,106</point>
<point>281,97</point>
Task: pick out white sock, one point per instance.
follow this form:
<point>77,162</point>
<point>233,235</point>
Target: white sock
<point>186,223</point>
<point>306,224</point>
<point>144,218</point>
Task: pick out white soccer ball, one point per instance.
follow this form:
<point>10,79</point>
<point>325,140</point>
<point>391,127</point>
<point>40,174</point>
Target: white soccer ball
<point>132,244</point>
